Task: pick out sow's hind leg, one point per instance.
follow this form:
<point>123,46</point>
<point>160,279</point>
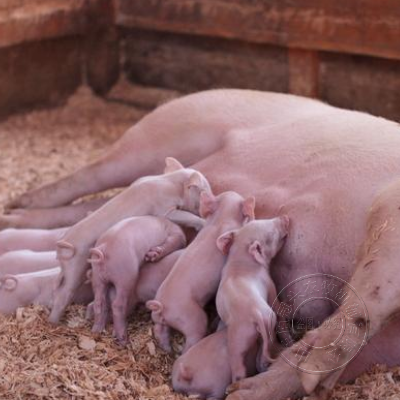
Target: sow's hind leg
<point>367,304</point>
<point>49,218</point>
<point>139,152</point>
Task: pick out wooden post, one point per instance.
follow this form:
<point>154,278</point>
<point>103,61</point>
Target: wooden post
<point>303,72</point>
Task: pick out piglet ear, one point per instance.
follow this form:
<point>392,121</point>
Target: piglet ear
<point>208,204</point>
<point>257,252</point>
<point>248,208</point>
<point>89,276</point>
<point>194,180</point>
<point>9,282</point>
<point>185,373</point>
<point>172,165</point>
<point>224,242</point>
<point>309,381</point>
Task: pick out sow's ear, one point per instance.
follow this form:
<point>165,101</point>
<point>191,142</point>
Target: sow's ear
<point>224,242</point>
<point>257,252</point>
<point>208,204</point>
<point>248,208</point>
<point>172,165</point>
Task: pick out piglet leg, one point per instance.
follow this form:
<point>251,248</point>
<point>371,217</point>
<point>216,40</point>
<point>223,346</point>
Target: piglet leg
<point>241,338</point>
<point>120,307</point>
<point>266,327</point>
<point>171,244</point>
<point>162,335</point>
<point>194,325</point>
<point>185,218</point>
<point>100,306</point>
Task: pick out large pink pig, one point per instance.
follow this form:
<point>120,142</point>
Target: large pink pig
<point>177,188</point>
<point>30,239</point>
<point>35,288</point>
<point>116,261</point>
<point>336,174</point>
<point>247,291</point>
<point>24,261</point>
<point>204,370</point>
<point>151,276</point>
<point>195,278</point>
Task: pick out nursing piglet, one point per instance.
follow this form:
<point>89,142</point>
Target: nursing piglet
<point>151,276</point>
<point>195,277</point>
<point>116,261</point>
<point>204,370</point>
<point>246,291</point>
<point>35,288</point>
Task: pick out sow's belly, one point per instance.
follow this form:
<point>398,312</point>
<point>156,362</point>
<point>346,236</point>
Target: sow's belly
<point>319,172</point>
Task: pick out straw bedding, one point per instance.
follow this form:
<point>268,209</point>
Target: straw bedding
<point>40,361</point>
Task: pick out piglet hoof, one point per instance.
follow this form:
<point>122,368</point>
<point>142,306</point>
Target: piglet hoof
<point>154,254</point>
<point>245,395</point>
<point>89,314</point>
<point>166,347</point>
<point>121,339</point>
<point>123,342</point>
<point>263,365</point>
<point>54,320</point>
<point>98,327</point>
<point>244,384</point>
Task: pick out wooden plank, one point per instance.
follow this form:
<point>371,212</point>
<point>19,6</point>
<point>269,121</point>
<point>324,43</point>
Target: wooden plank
<point>355,26</point>
<point>303,72</point>
<point>27,21</point>
<point>191,63</point>
<point>101,46</point>
<point>39,74</point>
<point>41,21</point>
<point>361,83</point>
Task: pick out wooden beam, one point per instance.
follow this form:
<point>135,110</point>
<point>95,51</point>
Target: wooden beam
<point>368,27</point>
<point>361,83</point>
<point>191,63</point>
<point>23,21</point>
<point>41,21</point>
<point>303,72</point>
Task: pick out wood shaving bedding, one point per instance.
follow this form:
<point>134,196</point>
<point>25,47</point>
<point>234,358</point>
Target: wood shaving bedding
<point>41,361</point>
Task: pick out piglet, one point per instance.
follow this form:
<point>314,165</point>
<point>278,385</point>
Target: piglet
<point>30,239</point>
<point>116,261</point>
<point>151,276</point>
<point>25,261</point>
<point>204,370</point>
<point>194,280</point>
<point>246,291</point>
<point>35,288</point>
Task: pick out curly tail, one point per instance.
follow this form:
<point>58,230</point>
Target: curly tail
<point>65,250</point>
<point>8,282</point>
<point>96,255</point>
<point>154,306</point>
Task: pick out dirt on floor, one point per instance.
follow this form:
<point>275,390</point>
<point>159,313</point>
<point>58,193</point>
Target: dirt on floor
<point>40,361</point>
